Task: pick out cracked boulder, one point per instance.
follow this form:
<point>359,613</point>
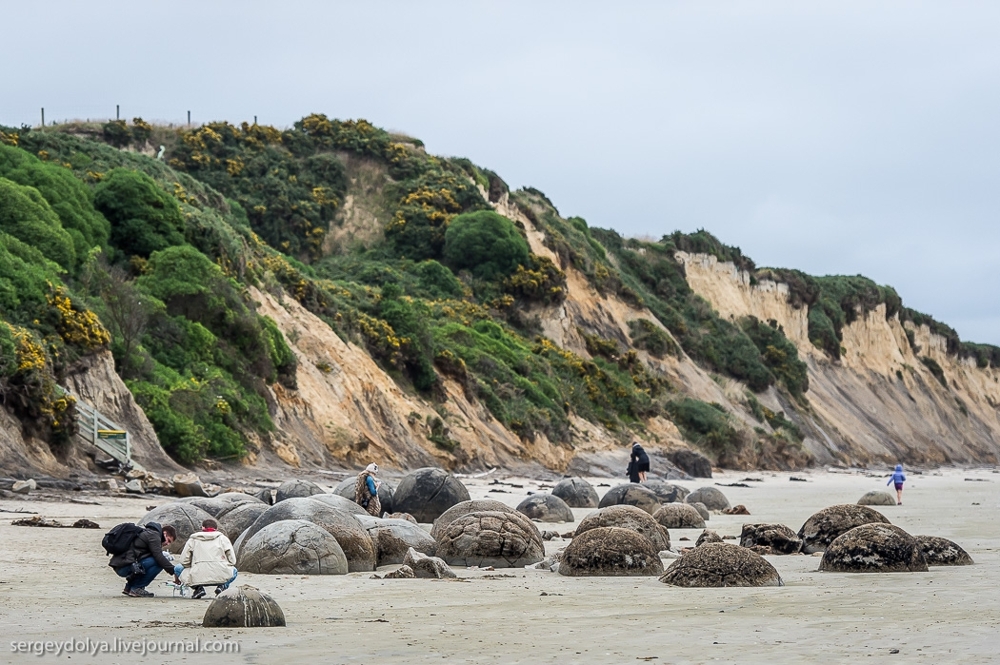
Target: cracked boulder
<point>427,493</point>
<point>545,508</point>
<point>297,488</point>
<point>577,493</point>
<point>942,552</point>
<point>610,551</point>
<point>393,538</point>
<point>666,492</point>
<point>427,566</point>
<point>679,516</point>
<point>874,548</point>
<point>491,538</point>
<point>631,494</point>
<point>627,517</point>
<point>721,565</point>
<point>243,607</point>
<point>828,524</point>
<point>292,547</point>
<point>467,508</point>
<point>770,539</point>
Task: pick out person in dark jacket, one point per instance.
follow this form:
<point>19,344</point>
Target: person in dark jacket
<point>147,552</point>
<point>638,464</point>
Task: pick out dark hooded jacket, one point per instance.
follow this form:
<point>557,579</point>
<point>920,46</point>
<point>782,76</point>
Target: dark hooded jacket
<point>149,543</point>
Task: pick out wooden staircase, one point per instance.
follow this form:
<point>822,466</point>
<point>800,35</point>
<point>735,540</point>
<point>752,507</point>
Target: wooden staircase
<point>106,435</point>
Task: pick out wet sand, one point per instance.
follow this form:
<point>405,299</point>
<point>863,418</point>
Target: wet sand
<point>55,585</point>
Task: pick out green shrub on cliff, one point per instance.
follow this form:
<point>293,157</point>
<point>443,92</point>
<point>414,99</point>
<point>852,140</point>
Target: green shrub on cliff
<point>27,216</point>
<point>484,243</point>
<point>143,217</point>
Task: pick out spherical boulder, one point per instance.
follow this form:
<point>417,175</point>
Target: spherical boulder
<point>721,565</point>
<point>385,492</point>
<point>710,496</point>
<point>340,503</point>
<point>491,538</point>
<point>874,548</point>
<point>942,552</point>
<point>679,516</point>
<point>467,508</point>
<point>771,538</point>
<point>392,538</point>
<point>877,498</point>
<point>297,488</point>
<point>576,492</point>
<point>627,517</point>
<point>545,508</point>
<point>694,464</point>
<point>212,506</point>
<point>426,493</point>
<point>238,497</point>
<point>666,492</point>
<point>823,527</point>
<point>185,518</point>
<point>239,517</point>
<point>292,547</point>
<point>631,494</point>
<point>701,509</point>
<point>243,607</point>
<point>354,540</point>
<point>610,551</point>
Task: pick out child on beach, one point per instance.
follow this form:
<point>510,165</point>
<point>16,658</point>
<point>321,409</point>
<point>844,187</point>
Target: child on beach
<point>898,478</point>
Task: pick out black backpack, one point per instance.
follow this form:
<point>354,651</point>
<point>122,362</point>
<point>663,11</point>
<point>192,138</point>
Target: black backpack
<point>120,538</point>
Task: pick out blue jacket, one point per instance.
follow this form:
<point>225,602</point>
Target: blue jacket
<point>897,477</point>
<point>371,485</point>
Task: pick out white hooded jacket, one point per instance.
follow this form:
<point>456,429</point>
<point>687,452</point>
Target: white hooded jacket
<point>208,558</point>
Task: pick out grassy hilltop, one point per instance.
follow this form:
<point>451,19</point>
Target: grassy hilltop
<point>105,247</point>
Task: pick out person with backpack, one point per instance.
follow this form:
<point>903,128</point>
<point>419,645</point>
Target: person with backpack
<point>137,554</point>
<point>638,464</point>
<point>366,490</point>
<point>207,558</point>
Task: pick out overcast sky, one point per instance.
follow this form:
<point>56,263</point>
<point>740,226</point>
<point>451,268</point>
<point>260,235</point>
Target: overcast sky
<point>836,138</point>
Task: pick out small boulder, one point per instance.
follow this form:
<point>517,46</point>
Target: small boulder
<point>874,548</point>
<point>292,547</point>
<point>942,552</point>
<point>427,493</point>
<point>721,565</point>
<point>707,537</point>
<point>710,496</point>
<point>631,494</point>
<point>266,495</point>
<point>297,488</point>
<point>545,508</point>
<point>467,508</point>
<point>400,516</point>
<point>772,538</point>
<point>823,527</point>
<point>610,551</point>
<point>188,484</point>
<point>576,492</point>
<point>627,517</point>
<point>134,487</point>
<point>393,538</point>
<point>739,509</point>
<point>184,517</point>
<point>692,463</point>
<point>385,492</point>
<point>425,566</point>
<point>877,498</point>
<point>23,486</point>
<point>404,572</point>
<point>679,516</point>
<point>243,607</point>
<point>107,484</point>
<point>491,538</point>
<point>666,492</point>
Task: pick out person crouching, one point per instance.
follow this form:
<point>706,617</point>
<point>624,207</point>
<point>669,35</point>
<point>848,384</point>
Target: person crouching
<point>144,559</point>
<point>207,558</point>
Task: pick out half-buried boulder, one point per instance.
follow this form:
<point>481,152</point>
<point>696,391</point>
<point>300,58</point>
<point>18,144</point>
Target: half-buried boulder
<point>296,489</point>
<point>185,518</point>
<point>576,492</point>
<point>942,552</point>
<point>491,538</point>
<point>354,540</point>
<point>721,565</point>
<point>392,538</point>
<point>710,496</point>
<point>627,517</point>
<point>545,508</point>
<point>877,498</point>
<point>610,551</point>
<point>385,493</point>
<point>239,517</point>
<point>467,508</point>
<point>243,607</point>
<point>874,548</point>
<point>292,547</point>
<point>666,492</point>
<point>426,493</point>
<point>770,539</point>
<point>679,516</point>
<point>631,494</point>
<point>826,525</point>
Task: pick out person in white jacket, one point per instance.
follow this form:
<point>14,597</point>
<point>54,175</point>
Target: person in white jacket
<point>207,558</point>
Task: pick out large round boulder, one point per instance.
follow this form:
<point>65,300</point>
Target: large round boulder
<point>877,498</point>
<point>610,551</point>
<point>292,547</point>
<point>679,516</point>
<point>238,497</point>
<point>426,493</point>
<point>491,538</point>
<point>576,492</point>
<point>874,548</point>
<point>710,496</point>
<point>212,506</point>
<point>243,607</point>
<point>721,565</point>
<point>666,492</point>
<point>296,489</point>
<point>184,517</point>
<point>627,517</point>
<point>545,508</point>
<point>826,525</point>
<point>694,464</point>
<point>392,538</point>
<point>354,540</point>
<point>345,488</point>
<point>340,503</point>
<point>631,494</point>
<point>942,552</point>
<point>467,508</point>
<point>239,517</point>
<point>770,539</point>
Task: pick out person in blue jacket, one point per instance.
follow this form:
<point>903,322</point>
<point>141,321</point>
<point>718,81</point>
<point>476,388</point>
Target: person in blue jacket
<point>366,490</point>
<point>898,478</point>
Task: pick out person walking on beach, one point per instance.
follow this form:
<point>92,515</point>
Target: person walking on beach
<point>898,478</point>
<point>638,464</point>
<point>144,559</point>
<point>366,490</point>
<point>207,558</point>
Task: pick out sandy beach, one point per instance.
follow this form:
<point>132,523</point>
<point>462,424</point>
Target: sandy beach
<point>56,586</point>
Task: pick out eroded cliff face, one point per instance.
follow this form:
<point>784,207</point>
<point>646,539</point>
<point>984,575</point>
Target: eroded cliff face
<point>879,402</point>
